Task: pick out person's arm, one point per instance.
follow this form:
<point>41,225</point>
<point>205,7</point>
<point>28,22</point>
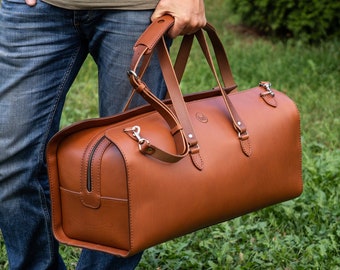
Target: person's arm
<point>189,15</point>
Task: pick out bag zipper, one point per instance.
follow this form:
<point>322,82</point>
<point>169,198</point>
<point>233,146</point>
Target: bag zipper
<point>89,167</point>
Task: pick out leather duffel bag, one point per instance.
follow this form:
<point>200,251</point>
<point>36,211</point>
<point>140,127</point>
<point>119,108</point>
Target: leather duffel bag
<point>124,183</point>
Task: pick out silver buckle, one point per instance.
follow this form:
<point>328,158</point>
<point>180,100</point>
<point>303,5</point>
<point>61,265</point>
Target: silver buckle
<point>136,133</point>
<point>267,86</point>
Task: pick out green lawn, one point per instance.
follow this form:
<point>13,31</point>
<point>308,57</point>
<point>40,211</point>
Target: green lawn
<point>300,234</point>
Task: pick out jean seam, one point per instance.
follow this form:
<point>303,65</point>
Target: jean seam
<point>43,144</point>
<point>53,111</point>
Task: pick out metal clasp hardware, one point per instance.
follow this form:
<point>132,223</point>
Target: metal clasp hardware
<point>194,149</point>
<point>136,133</point>
<point>267,86</point>
<point>243,136</point>
<point>132,73</point>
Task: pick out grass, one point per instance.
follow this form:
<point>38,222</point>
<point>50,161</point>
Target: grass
<point>300,234</point>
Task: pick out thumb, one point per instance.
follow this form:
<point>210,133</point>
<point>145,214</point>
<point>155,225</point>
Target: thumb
<point>175,30</point>
<point>156,14</point>
<point>31,3</point>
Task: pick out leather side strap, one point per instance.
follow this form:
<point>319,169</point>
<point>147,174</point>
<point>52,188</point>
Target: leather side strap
<point>179,103</point>
<point>170,118</point>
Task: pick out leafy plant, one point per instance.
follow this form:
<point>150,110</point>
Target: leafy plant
<point>312,21</point>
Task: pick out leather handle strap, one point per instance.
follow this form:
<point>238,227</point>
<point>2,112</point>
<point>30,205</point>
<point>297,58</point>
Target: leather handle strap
<point>145,45</point>
<point>223,66</point>
<point>147,42</point>
<point>151,36</point>
<point>221,57</point>
<point>179,103</point>
<point>176,95</point>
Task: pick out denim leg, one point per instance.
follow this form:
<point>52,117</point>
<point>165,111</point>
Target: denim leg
<point>40,54</point>
<point>111,45</point>
<point>41,51</point>
<point>112,48</point>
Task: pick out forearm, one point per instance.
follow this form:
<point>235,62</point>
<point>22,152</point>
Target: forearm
<point>189,15</point>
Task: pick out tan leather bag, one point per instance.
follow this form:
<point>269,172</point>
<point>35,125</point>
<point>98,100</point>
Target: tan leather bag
<point>125,183</point>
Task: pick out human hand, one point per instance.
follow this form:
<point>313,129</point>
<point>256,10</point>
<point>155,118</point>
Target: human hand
<point>31,3</point>
<point>189,15</point>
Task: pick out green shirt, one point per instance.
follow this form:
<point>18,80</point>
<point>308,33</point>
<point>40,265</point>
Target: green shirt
<point>104,4</point>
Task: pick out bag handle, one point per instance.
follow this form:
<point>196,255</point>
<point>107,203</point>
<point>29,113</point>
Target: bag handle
<point>221,57</point>
<point>144,46</point>
<point>175,92</point>
<point>183,55</point>
<point>223,65</point>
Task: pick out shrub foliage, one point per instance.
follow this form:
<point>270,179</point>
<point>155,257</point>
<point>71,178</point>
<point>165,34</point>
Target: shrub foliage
<point>310,21</point>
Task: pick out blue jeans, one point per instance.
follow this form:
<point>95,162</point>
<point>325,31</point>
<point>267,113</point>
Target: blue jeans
<point>42,49</point>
